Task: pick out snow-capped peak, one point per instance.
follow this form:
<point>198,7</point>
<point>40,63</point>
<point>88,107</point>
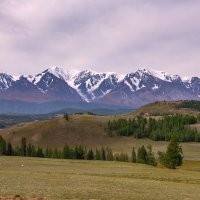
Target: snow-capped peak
<point>58,72</point>
<point>30,78</point>
<point>5,81</point>
<point>186,79</point>
<point>164,76</point>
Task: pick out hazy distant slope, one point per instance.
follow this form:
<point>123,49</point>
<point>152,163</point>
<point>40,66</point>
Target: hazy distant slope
<point>163,108</point>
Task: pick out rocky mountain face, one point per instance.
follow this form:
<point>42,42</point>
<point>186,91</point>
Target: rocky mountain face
<point>134,89</point>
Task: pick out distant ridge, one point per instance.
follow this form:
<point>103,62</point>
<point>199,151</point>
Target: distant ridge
<point>134,89</point>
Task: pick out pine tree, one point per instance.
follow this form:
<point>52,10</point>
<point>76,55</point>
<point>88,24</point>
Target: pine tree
<point>17,151</point>
<point>90,155</point>
<point>142,154</point>
<point>29,150</point>
<point>133,155</point>
<point>2,146</point>
<point>109,154</point>
<point>23,147</point>
<point>80,152</point>
<point>40,153</point>
<point>50,155</point>
<point>66,152</point>
<point>173,156</point>
<point>102,154</point>
<point>55,153</point>
<point>150,158</point>
<point>34,151</point>
<point>10,150</point>
<point>97,155</point>
<point>66,116</point>
<point>123,157</point>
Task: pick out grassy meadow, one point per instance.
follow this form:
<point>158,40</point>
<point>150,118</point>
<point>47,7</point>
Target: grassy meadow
<point>73,179</point>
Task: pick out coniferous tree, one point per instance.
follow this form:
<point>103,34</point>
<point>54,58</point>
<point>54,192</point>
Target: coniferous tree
<point>173,156</point>
<point>29,150</point>
<point>46,153</point>
<point>90,155</point>
<point>50,155</point>
<point>102,154</point>
<point>123,157</point>
<point>66,116</point>
<point>161,157</point>
<point>10,150</point>
<point>97,155</point>
<point>34,151</point>
<point>80,152</point>
<point>40,153</point>
<point>55,153</point>
<point>150,158</point>
<point>66,152</point>
<point>142,155</point>
<point>109,154</point>
<point>2,146</point>
<point>133,155</point>
<point>17,151</point>
<point>116,157</point>
<point>60,154</point>
<point>85,153</point>
<point>23,147</point>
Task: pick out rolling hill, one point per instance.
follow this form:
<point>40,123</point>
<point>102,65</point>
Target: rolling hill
<point>89,130</point>
<point>161,108</point>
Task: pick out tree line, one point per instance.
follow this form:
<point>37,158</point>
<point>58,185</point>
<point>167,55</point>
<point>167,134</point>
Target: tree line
<point>158,130</point>
<point>78,152</point>
<point>191,104</point>
<point>171,158</point>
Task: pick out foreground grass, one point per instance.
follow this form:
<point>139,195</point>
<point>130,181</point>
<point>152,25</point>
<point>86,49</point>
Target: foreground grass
<point>72,179</point>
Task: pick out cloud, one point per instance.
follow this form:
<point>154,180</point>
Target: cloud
<point>114,35</point>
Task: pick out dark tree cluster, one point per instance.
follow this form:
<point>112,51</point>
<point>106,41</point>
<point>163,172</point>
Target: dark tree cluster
<point>192,104</point>
<point>159,130</point>
<point>144,155</point>
<point>66,117</point>
<point>77,152</point>
<point>171,159</point>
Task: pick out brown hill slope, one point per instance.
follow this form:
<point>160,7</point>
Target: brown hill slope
<point>89,130</point>
<point>163,108</point>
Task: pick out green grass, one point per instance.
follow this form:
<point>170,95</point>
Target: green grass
<point>73,179</point>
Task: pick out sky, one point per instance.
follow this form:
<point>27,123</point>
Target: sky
<point>102,35</point>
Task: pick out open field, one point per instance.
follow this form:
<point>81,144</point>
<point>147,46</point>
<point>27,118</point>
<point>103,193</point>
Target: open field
<point>73,179</point>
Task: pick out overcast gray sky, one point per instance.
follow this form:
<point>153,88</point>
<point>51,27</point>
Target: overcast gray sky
<point>103,35</point>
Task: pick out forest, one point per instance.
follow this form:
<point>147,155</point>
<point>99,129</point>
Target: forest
<point>192,104</point>
<point>158,130</point>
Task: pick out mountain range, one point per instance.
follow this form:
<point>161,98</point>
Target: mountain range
<point>134,89</point>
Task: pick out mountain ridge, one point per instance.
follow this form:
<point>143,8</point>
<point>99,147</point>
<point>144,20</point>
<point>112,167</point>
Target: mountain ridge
<point>133,89</point>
